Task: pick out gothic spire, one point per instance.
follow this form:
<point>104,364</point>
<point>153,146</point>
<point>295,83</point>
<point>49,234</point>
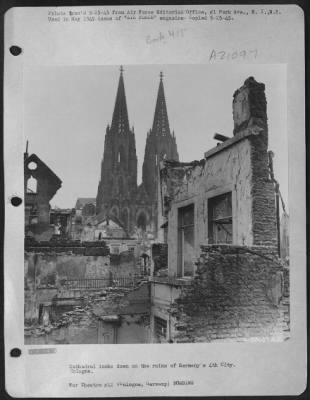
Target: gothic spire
<point>161,122</point>
<point>120,120</point>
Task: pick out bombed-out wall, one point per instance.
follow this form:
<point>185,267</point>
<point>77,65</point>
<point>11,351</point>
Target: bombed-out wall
<point>229,172</point>
<point>50,269</point>
<point>47,265</point>
<point>227,197</point>
<point>239,293</point>
<point>40,185</point>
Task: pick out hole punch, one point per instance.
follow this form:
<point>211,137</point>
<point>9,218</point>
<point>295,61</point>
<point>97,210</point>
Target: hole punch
<point>16,201</point>
<point>15,50</point>
<point>15,352</point>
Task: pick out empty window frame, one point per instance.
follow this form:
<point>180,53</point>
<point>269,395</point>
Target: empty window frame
<point>186,241</point>
<point>33,215</point>
<point>160,327</point>
<point>32,185</point>
<point>220,219</point>
<point>115,249</point>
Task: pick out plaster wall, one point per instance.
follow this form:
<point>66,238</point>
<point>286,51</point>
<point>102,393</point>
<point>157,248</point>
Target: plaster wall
<point>227,171</point>
<point>162,295</point>
<point>49,268</point>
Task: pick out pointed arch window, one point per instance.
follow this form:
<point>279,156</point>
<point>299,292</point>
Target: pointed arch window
<point>121,127</point>
<point>141,222</point>
<point>32,185</point>
<point>114,211</point>
<point>121,186</point>
<point>121,155</point>
<point>125,217</point>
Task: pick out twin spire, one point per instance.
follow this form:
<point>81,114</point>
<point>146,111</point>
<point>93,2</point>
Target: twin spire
<point>120,121</point>
<point>161,122</point>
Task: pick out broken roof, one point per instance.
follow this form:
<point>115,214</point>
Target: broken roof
<point>41,166</point>
<point>82,201</point>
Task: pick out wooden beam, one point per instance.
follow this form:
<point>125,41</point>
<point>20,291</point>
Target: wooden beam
<point>221,138</point>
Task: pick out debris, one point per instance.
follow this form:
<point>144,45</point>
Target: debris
<point>110,318</point>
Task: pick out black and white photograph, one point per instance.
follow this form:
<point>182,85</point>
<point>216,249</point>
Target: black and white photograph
<point>154,210</point>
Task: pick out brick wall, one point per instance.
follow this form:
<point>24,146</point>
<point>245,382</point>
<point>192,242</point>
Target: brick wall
<point>55,245</point>
<point>253,113</point>
<point>263,196</point>
<point>238,294</point>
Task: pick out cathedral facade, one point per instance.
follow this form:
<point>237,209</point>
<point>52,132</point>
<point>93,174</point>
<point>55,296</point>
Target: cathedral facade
<point>119,196</point>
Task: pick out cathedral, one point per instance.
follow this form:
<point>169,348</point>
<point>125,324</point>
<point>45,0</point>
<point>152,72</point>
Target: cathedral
<point>119,196</point>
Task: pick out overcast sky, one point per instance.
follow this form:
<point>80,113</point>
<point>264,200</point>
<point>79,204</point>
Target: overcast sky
<point>67,109</point>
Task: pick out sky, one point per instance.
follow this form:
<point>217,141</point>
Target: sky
<point>67,109</point>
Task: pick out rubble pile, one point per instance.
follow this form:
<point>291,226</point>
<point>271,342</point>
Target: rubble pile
<point>93,306</point>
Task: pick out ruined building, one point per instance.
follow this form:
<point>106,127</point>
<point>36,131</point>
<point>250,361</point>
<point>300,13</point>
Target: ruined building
<point>84,215</point>
<point>118,193</point>
<point>224,270</point>
<point>40,186</point>
<point>223,278</point>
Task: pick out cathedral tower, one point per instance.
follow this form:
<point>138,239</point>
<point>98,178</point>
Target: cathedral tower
<point>118,184</point>
<point>160,143</point>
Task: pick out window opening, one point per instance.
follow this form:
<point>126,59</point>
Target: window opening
<point>141,223</point>
<point>186,241</point>
<point>32,185</point>
<point>125,218</point>
<point>160,327</point>
<point>32,166</point>
<point>220,219</point>
<point>114,211</point>
<point>114,249</point>
<point>121,186</point>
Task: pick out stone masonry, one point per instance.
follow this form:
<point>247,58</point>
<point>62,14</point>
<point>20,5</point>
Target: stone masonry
<point>250,113</point>
<point>239,294</point>
<point>238,289</point>
<point>118,193</point>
